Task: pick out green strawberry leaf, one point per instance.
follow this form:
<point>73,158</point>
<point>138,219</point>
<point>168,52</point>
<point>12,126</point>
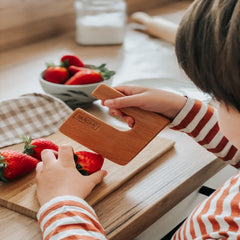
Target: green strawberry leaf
<point>81,170</point>
<point>64,63</point>
<point>1,158</point>
<point>2,177</point>
<point>105,72</point>
<point>3,165</point>
<point>78,166</point>
<point>28,148</point>
<point>75,158</point>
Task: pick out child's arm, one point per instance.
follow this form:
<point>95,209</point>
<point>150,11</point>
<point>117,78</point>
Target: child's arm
<point>60,191</point>
<point>188,115</point>
<point>199,121</point>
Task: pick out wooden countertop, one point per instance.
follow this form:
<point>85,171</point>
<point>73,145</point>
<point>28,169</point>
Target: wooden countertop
<point>156,189</point>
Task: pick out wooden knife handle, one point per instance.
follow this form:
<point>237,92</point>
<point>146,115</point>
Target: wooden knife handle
<point>104,92</point>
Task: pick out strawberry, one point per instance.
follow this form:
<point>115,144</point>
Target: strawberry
<point>86,76</point>
<point>88,162</point>
<point>89,74</point>
<point>56,74</point>
<point>14,164</point>
<point>74,69</point>
<point>68,60</point>
<point>34,147</point>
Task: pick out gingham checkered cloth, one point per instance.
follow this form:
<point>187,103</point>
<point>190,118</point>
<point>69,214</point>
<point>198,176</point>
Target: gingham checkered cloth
<point>34,115</point>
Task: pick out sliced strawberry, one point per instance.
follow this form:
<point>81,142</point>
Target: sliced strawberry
<point>88,162</point>
<point>74,69</point>
<point>86,76</point>
<point>57,75</point>
<point>68,60</point>
<point>105,72</point>
<point>14,164</point>
<point>36,146</point>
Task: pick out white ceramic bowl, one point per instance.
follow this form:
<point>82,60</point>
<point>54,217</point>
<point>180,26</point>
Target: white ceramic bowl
<point>73,95</point>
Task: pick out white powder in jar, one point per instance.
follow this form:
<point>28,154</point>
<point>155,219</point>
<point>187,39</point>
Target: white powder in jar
<point>100,29</point>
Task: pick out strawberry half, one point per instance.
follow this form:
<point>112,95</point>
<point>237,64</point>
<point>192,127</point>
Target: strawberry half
<point>88,74</point>
<point>73,69</point>
<point>68,60</point>
<point>14,164</point>
<point>34,147</point>
<point>88,162</point>
<point>85,76</point>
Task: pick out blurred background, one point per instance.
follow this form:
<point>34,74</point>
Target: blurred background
<point>27,21</point>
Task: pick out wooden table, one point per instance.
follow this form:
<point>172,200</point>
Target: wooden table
<point>143,199</point>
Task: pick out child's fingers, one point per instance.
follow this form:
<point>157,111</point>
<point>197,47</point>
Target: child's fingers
<point>130,90</point>
<point>115,112</point>
<point>126,90</point>
<point>55,153</point>
<point>39,169</point>
<point>98,176</point>
<point>65,155</point>
<point>48,157</point>
<point>122,102</point>
<point>128,119</point>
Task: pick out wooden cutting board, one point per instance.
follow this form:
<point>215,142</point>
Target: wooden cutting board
<point>20,195</point>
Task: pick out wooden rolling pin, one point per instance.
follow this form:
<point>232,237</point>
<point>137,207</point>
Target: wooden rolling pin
<point>156,26</point>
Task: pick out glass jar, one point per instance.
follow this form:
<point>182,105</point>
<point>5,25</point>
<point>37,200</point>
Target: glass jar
<point>100,22</point>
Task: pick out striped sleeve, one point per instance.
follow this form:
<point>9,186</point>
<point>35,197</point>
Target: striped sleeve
<point>69,217</point>
<point>218,217</point>
<point>199,121</point>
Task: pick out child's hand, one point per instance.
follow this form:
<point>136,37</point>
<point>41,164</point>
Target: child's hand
<point>155,100</point>
<point>58,176</point>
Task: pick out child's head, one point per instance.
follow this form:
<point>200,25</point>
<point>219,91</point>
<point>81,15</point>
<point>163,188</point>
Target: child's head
<point>208,50</point>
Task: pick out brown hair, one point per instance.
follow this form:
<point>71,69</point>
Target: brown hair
<point>208,48</point>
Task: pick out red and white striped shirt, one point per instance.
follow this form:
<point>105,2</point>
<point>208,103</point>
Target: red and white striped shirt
<point>199,121</point>
<point>218,217</point>
<point>69,217</point>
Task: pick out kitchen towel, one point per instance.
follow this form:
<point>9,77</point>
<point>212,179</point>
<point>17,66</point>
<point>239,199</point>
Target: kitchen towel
<point>35,114</point>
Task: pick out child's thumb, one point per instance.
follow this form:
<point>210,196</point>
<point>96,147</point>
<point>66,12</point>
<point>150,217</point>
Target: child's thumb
<point>98,176</point>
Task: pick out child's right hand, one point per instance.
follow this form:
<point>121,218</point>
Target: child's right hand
<point>155,100</point>
<point>57,176</point>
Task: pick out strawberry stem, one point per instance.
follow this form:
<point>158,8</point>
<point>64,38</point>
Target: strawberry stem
<point>105,72</point>
<point>83,172</point>
<point>79,167</point>
<point>64,63</point>
<point>2,177</point>
<point>28,148</point>
<point>75,157</point>
<point>2,166</point>
<point>1,158</point>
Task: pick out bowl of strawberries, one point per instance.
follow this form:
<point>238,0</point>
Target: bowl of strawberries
<point>73,81</point>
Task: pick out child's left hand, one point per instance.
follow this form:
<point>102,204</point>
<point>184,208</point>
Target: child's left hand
<point>58,176</point>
